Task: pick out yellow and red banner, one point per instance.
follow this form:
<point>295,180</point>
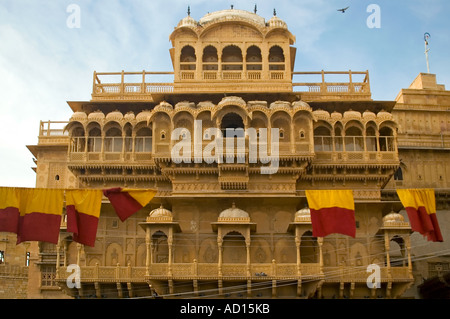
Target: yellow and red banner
<point>34,214</point>
<point>332,211</point>
<point>420,205</point>
<point>9,209</point>
<point>83,212</point>
<point>127,201</point>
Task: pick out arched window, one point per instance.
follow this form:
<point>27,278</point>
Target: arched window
<point>210,59</point>
<point>253,58</point>
<point>187,58</point>
<point>161,247</point>
<point>308,248</point>
<point>371,139</point>
<point>95,140</point>
<point>232,125</point>
<point>143,140</point>
<point>113,140</point>
<point>231,58</point>
<point>386,140</point>
<point>234,250</point>
<point>322,139</point>
<point>354,141</point>
<point>338,139</point>
<point>397,252</point>
<point>276,58</point>
<point>128,138</point>
<point>77,140</point>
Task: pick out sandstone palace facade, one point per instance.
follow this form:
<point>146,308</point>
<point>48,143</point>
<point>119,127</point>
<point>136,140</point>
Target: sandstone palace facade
<point>226,229</point>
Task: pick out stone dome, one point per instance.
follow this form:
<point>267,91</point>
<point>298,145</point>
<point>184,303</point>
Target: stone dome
<point>352,115</point>
<point>79,116</point>
<point>232,14</point>
<point>336,116</point>
<point>160,214</point>
<point>277,22</point>
<point>303,216</point>
<point>114,116</point>
<point>394,220</point>
<point>96,116</point>
<point>369,116</point>
<point>234,214</point>
<point>129,117</point>
<point>322,114</point>
<point>187,22</point>
<point>384,116</point>
<point>143,116</point>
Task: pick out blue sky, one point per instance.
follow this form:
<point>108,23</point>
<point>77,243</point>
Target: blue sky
<point>44,63</point>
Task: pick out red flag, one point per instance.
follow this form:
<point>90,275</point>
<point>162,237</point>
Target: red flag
<point>126,201</point>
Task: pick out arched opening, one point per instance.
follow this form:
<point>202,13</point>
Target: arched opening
<point>232,125</point>
<point>128,138</point>
<point>276,58</point>
<point>231,58</point>
<point>160,247</point>
<point>386,140</point>
<point>254,58</point>
<point>210,58</point>
<point>397,252</point>
<point>187,58</point>
<point>308,248</point>
<point>77,140</point>
<point>322,139</point>
<point>371,139</point>
<point>143,140</point>
<point>354,141</point>
<point>234,249</point>
<point>338,139</point>
<point>113,140</point>
<point>95,140</point>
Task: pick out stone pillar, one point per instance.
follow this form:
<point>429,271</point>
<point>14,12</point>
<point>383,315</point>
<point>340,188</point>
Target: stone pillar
<point>170,242</point>
<point>220,248</point>
<point>320,242</point>
<point>148,257</point>
<point>247,246</point>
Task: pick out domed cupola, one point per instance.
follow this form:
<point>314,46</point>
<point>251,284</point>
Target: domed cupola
<point>187,21</point>
<point>234,214</point>
<point>394,220</point>
<point>160,214</point>
<point>303,216</point>
<point>276,22</point>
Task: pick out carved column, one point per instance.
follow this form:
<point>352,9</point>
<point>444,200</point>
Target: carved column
<point>123,145</point>
<point>79,246</point>
<point>292,137</point>
<point>220,248</point>
<point>408,251</point>
<point>148,257</point>
<point>297,245</point>
<point>102,148</point>
<point>320,242</point>
<point>247,245</point>
<point>170,242</point>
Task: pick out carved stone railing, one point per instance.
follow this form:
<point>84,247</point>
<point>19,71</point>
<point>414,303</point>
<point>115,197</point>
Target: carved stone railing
<point>325,89</point>
<point>53,132</point>
<point>237,270</point>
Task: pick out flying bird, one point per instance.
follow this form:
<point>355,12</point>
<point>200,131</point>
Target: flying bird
<point>343,10</point>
